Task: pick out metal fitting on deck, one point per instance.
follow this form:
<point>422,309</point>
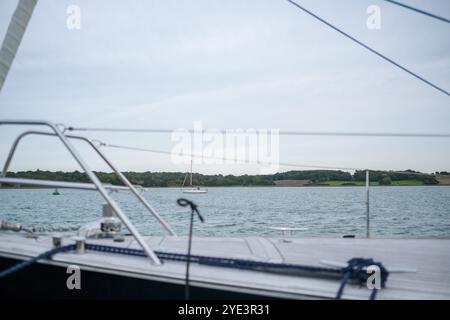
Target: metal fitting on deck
<point>80,245</point>
<point>57,241</point>
<point>108,211</point>
<point>110,225</point>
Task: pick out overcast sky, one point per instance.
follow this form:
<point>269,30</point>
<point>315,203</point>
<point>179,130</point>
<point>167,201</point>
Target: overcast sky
<point>260,64</point>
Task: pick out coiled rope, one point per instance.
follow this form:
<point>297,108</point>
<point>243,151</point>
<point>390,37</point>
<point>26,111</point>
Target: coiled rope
<point>355,270</point>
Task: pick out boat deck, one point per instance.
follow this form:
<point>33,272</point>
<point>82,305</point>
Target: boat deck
<point>428,259</point>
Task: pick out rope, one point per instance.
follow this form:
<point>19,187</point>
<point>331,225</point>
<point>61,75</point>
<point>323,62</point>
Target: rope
<point>194,208</point>
<point>355,271</point>
<point>369,48</point>
<point>284,164</point>
<point>38,229</point>
<point>419,11</point>
<point>227,159</point>
<point>214,261</point>
<point>184,203</point>
<point>27,263</point>
<point>281,133</point>
<point>4,225</point>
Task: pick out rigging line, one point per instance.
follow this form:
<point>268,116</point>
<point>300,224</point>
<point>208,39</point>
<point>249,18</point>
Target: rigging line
<point>227,159</point>
<point>418,10</point>
<point>369,48</point>
<point>297,165</point>
<point>281,133</point>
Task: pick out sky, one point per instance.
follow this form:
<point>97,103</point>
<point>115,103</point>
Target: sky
<point>253,64</point>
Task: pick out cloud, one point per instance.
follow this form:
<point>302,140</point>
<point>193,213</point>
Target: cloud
<point>260,64</point>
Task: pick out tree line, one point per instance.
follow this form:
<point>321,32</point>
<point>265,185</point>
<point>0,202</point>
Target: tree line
<point>175,179</point>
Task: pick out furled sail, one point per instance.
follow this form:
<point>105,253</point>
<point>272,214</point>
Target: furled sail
<point>13,37</point>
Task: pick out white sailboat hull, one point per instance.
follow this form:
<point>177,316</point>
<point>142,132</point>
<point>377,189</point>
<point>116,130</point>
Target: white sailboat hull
<point>194,191</point>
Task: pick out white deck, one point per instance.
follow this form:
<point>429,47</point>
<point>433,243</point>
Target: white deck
<point>430,257</point>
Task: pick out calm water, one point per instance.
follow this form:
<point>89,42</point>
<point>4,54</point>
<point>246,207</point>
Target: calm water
<point>335,211</point>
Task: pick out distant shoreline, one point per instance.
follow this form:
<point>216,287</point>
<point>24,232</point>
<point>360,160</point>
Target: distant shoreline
<point>274,186</point>
<point>304,178</point>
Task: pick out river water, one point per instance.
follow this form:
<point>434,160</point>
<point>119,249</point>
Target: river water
<point>419,211</point>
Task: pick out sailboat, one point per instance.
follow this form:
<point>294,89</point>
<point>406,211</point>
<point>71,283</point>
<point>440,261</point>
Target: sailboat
<point>192,188</point>
<point>115,256</point>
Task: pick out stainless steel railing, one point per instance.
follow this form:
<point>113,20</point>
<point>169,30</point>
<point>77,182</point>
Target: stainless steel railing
<point>96,184</point>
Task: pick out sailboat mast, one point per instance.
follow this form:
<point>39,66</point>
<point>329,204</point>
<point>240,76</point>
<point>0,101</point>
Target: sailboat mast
<point>191,172</point>
<point>14,35</point>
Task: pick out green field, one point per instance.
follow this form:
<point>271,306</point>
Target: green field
<point>334,183</point>
<point>407,183</point>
